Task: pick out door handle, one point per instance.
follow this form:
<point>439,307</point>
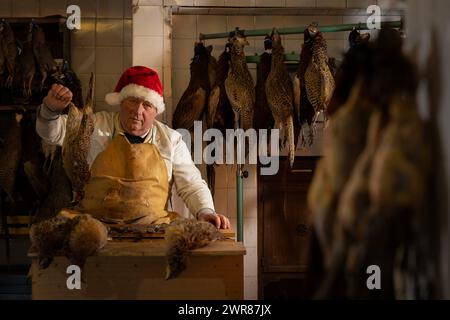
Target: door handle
<point>302,229</point>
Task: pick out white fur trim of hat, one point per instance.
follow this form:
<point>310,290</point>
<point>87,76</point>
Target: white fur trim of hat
<point>135,90</point>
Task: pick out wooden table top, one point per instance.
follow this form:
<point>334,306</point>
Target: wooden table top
<point>156,248</point>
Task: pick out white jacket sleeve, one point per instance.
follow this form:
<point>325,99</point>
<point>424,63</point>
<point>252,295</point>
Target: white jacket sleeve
<point>188,180</point>
<point>50,126</point>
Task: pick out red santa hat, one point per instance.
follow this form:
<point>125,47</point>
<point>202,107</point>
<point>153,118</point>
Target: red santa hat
<point>141,82</point>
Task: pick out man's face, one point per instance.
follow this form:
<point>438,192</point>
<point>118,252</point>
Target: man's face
<point>137,115</point>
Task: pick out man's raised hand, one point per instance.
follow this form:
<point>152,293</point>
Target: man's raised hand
<point>58,98</point>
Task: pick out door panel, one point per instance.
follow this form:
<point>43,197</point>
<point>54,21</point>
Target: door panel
<point>286,226</point>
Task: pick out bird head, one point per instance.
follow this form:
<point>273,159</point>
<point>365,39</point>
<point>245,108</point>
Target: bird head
<point>312,30</point>
<point>228,47</point>
<point>365,37</point>
<point>276,38</point>
<point>268,42</point>
<point>238,42</point>
<point>199,51</point>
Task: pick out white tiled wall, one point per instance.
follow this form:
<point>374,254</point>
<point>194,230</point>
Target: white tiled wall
<point>103,45</point>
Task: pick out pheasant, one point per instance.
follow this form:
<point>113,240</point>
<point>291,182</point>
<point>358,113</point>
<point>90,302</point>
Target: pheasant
<point>239,85</point>
<point>192,104</point>
<point>345,140</point>
<point>60,190</point>
<point>183,235</point>
<point>219,114</point>
<point>42,52</point>
<point>78,237</point>
<point>28,64</point>
<point>304,111</point>
<point>47,237</point>
<point>2,54</point>
<point>9,50</point>
<point>86,236</point>
<point>356,64</point>
<point>279,93</point>
<point>10,157</point>
<point>77,143</point>
<point>383,215</point>
<point>352,213</point>
<point>355,38</point>
<point>319,81</point>
<point>263,115</point>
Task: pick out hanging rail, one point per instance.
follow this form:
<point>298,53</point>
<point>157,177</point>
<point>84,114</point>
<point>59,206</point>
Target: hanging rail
<point>288,57</point>
<point>297,30</point>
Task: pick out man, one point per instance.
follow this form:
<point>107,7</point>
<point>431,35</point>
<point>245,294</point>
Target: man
<point>140,96</point>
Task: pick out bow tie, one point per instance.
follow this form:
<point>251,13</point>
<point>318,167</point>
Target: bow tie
<point>134,139</point>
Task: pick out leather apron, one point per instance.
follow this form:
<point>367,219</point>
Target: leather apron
<point>129,183</point>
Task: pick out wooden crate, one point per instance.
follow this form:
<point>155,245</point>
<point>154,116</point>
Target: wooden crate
<point>135,271</point>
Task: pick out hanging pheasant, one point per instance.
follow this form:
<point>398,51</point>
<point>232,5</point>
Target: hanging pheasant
<point>345,140</point>
<point>304,111</point>
<point>44,59</point>
<point>28,64</point>
<point>192,104</point>
<point>2,54</point>
<point>351,214</point>
<point>280,93</point>
<point>239,84</point>
<point>383,215</point>
<point>10,157</point>
<point>356,62</point>
<point>9,50</point>
<point>77,143</point>
<point>60,189</point>
<point>219,114</point>
<point>355,38</point>
<point>263,115</point>
<point>319,81</point>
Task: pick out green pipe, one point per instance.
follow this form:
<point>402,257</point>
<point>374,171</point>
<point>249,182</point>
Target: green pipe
<point>298,30</point>
<point>240,202</point>
<point>287,57</point>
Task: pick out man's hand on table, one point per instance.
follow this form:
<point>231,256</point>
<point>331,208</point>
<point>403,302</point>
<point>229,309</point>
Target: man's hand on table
<point>219,220</point>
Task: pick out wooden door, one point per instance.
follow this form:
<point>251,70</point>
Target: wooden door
<point>285,224</point>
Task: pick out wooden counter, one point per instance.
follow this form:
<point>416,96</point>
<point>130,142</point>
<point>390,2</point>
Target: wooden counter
<point>135,270</point>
